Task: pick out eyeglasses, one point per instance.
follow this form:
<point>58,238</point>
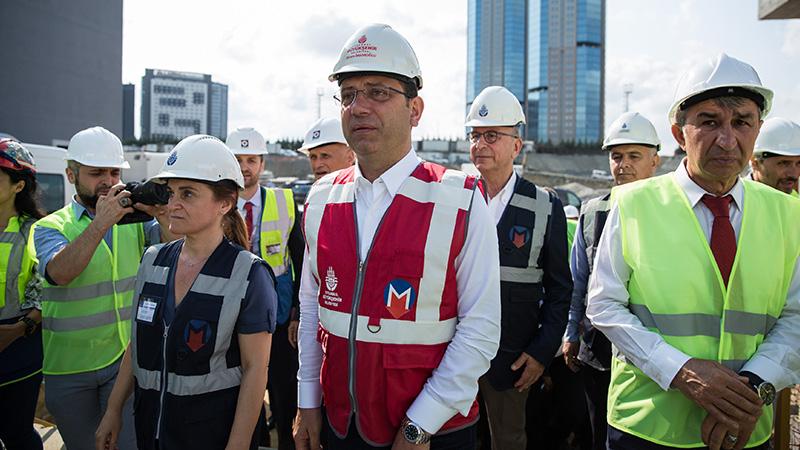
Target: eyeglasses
<point>490,137</point>
<point>378,94</point>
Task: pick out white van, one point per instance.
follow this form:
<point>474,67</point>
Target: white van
<point>54,189</point>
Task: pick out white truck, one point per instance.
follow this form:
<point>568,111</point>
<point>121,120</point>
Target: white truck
<point>54,189</point>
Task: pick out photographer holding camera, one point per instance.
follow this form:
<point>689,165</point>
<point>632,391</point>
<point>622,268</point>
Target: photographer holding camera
<point>89,262</point>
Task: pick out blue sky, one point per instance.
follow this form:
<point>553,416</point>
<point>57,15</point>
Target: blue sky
<point>276,55</point>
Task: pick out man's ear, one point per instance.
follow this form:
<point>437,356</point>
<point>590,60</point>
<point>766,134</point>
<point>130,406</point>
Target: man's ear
<point>677,133</point>
<point>417,105</point>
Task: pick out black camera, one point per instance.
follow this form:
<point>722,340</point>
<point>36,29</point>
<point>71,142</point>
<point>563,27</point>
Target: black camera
<point>148,193</point>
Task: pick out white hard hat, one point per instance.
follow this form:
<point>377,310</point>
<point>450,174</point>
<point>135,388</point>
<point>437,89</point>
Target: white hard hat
<point>201,157</point>
<point>97,147</point>
<point>779,136</point>
<point>327,130</point>
<point>571,212</point>
<point>378,48</point>
<point>495,106</point>
<point>631,128</point>
<point>717,77</point>
<point>246,141</point>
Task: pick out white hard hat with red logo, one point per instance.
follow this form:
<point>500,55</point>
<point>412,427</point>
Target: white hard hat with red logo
<point>718,77</point>
<point>97,147</point>
<point>203,158</point>
<point>246,141</point>
<point>327,130</point>
<point>378,48</point>
<point>495,106</point>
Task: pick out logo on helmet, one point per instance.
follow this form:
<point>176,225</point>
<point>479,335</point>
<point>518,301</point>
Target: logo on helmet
<point>315,135</point>
<point>624,127</point>
<point>245,143</point>
<point>172,158</point>
<point>484,111</point>
<point>361,49</point>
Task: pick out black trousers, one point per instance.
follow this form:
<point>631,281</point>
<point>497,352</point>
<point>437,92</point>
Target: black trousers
<point>463,439</point>
<point>282,385</point>
<point>596,382</point>
<point>556,415</point>
<point>17,408</point>
<point>619,440</point>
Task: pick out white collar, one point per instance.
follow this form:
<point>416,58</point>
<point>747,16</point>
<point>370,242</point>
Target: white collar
<point>695,193</point>
<point>395,175</point>
<point>505,194</point>
<point>255,199</point>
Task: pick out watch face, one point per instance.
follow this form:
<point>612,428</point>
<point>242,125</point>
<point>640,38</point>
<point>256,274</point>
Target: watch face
<point>411,433</point>
<point>767,393</point>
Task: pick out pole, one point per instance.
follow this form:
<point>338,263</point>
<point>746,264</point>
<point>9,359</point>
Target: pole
<point>627,89</point>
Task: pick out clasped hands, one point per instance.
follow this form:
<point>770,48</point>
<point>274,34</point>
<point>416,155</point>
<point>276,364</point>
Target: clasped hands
<point>733,406</point>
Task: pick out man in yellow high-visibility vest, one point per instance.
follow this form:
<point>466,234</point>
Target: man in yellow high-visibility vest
<point>271,218</point>
<point>89,264</point>
<point>696,280</point>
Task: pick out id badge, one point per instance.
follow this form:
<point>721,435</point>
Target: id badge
<point>146,311</point>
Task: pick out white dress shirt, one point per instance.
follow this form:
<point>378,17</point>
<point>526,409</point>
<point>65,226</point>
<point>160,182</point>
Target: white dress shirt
<point>256,201</point>
<point>498,203</point>
<point>777,359</point>
<point>454,384</point>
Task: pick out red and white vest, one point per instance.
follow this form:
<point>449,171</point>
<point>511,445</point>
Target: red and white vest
<point>385,324</point>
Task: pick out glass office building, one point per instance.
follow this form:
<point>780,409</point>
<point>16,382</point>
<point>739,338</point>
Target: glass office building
<point>550,54</point>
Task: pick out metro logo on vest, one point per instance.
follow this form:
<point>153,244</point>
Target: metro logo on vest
<point>400,297</point>
<point>519,235</point>
<point>197,334</point>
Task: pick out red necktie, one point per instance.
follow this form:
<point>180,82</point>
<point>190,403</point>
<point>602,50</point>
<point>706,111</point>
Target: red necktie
<point>723,239</point>
<point>248,218</point>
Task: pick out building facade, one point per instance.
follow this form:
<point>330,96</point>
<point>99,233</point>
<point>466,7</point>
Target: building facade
<point>63,68</point>
<point>179,104</point>
<point>548,53</point>
<point>128,105</point>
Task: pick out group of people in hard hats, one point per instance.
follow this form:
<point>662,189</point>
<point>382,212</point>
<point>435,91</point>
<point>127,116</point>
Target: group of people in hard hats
<point>409,301</point>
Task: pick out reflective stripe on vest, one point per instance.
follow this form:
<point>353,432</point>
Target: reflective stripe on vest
<point>86,323</point>
<point>277,220</point>
<point>590,212</point>
<point>676,291</point>
<point>232,290</point>
<point>55,294</point>
<point>541,206</point>
<point>17,266</point>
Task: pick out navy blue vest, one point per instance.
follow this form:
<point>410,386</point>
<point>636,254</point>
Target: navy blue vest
<point>520,235</point>
<point>201,350</point>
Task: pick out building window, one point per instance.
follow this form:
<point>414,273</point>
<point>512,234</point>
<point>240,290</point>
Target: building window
<point>189,123</point>
<point>163,120</point>
<point>176,102</point>
<point>164,89</point>
<point>199,98</point>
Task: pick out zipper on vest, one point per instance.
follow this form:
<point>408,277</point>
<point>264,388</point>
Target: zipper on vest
<point>351,338</point>
<point>163,381</point>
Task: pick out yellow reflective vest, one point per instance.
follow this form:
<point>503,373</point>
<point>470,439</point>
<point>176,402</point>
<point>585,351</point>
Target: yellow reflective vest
<point>676,290</point>
<point>277,220</point>
<point>86,323</point>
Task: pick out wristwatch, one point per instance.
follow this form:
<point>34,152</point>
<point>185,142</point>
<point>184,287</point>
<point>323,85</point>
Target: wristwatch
<point>414,433</point>
<point>30,325</point>
<point>764,389</point>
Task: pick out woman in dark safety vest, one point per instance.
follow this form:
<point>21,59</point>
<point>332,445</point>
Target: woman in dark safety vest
<point>205,310</point>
